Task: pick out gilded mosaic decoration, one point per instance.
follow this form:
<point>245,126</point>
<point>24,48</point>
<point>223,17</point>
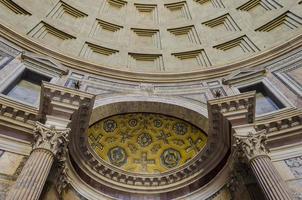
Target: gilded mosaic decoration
<point>145,142</point>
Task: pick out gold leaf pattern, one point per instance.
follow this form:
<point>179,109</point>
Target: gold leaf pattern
<point>145,143</point>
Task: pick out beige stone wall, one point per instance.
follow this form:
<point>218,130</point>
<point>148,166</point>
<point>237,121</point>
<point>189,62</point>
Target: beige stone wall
<point>155,36</point>
<point>10,166</point>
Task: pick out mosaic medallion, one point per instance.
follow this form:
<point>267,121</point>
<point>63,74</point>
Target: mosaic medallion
<point>144,139</point>
<point>180,128</point>
<point>145,143</point>
<point>109,125</point>
<point>157,123</point>
<point>117,156</point>
<point>170,158</point>
<point>132,122</point>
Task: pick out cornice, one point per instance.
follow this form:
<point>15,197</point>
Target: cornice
<point>281,120</point>
<point>211,72</point>
<point>15,145</point>
<point>17,115</point>
<point>283,127</point>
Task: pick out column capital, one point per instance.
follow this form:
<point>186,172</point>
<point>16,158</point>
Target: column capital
<point>51,139</point>
<point>252,144</point>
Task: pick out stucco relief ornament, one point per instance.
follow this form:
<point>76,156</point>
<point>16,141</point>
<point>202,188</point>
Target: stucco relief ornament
<point>62,180</point>
<point>54,140</point>
<point>251,145</point>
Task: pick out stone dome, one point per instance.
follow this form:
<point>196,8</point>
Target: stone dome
<point>154,36</point>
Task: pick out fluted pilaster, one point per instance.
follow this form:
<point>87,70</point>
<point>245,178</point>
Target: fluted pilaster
<point>49,143</point>
<point>252,148</point>
<point>30,182</point>
<point>269,179</point>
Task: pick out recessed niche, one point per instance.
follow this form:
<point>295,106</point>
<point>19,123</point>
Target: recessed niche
<point>146,12</point>
<point>114,8</point>
<point>266,101</point>
<point>105,30</point>
<point>185,35</point>
<point>98,53</point>
<point>146,62</point>
<point>178,11</point>
<point>193,58</point>
<point>146,37</point>
<point>49,33</point>
<point>225,21</point>
<point>66,12</point>
<point>14,7</point>
<point>259,6</point>
<point>241,44</point>
<point>26,87</point>
<point>287,20</point>
<point>214,3</point>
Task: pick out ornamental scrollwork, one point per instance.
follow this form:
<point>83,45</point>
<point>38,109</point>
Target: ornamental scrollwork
<point>251,145</point>
<point>54,140</point>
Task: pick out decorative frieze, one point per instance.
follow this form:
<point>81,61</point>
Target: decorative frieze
<point>10,109</point>
<point>284,120</point>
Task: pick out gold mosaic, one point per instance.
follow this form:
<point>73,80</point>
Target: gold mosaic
<point>145,142</point>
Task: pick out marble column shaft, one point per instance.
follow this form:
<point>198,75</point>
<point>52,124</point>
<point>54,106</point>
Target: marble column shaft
<point>269,179</point>
<point>49,144</point>
<point>252,148</point>
<point>30,182</point>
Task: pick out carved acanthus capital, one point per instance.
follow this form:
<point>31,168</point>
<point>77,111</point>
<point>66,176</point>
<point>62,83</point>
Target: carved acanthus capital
<point>251,145</point>
<point>54,140</point>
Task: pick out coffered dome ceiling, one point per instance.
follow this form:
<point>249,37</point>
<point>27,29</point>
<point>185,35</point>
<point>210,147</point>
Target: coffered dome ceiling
<point>146,143</point>
<point>155,36</point>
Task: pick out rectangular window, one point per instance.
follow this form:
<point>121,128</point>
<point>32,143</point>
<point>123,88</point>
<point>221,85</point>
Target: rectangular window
<point>266,101</point>
<point>26,87</point>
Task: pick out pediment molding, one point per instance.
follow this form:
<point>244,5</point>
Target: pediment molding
<point>244,75</point>
<point>44,62</point>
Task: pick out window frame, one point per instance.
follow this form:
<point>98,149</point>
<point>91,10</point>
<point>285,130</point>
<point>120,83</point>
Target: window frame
<point>15,76</point>
<point>271,90</point>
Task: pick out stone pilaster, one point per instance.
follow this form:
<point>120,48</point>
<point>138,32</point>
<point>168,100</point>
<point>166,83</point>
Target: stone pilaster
<point>252,147</point>
<point>49,144</point>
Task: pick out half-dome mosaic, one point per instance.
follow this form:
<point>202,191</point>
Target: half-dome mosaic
<point>145,142</point>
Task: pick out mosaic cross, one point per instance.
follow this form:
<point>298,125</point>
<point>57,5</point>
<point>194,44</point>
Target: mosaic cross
<point>193,145</point>
<point>144,161</point>
<point>164,137</point>
<point>125,136</point>
<point>95,141</point>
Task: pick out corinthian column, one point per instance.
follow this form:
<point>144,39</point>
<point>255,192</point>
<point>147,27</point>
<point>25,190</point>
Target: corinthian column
<point>252,148</point>
<point>49,144</point>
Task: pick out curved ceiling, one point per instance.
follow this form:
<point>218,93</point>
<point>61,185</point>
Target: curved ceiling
<point>145,142</point>
<point>155,36</point>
